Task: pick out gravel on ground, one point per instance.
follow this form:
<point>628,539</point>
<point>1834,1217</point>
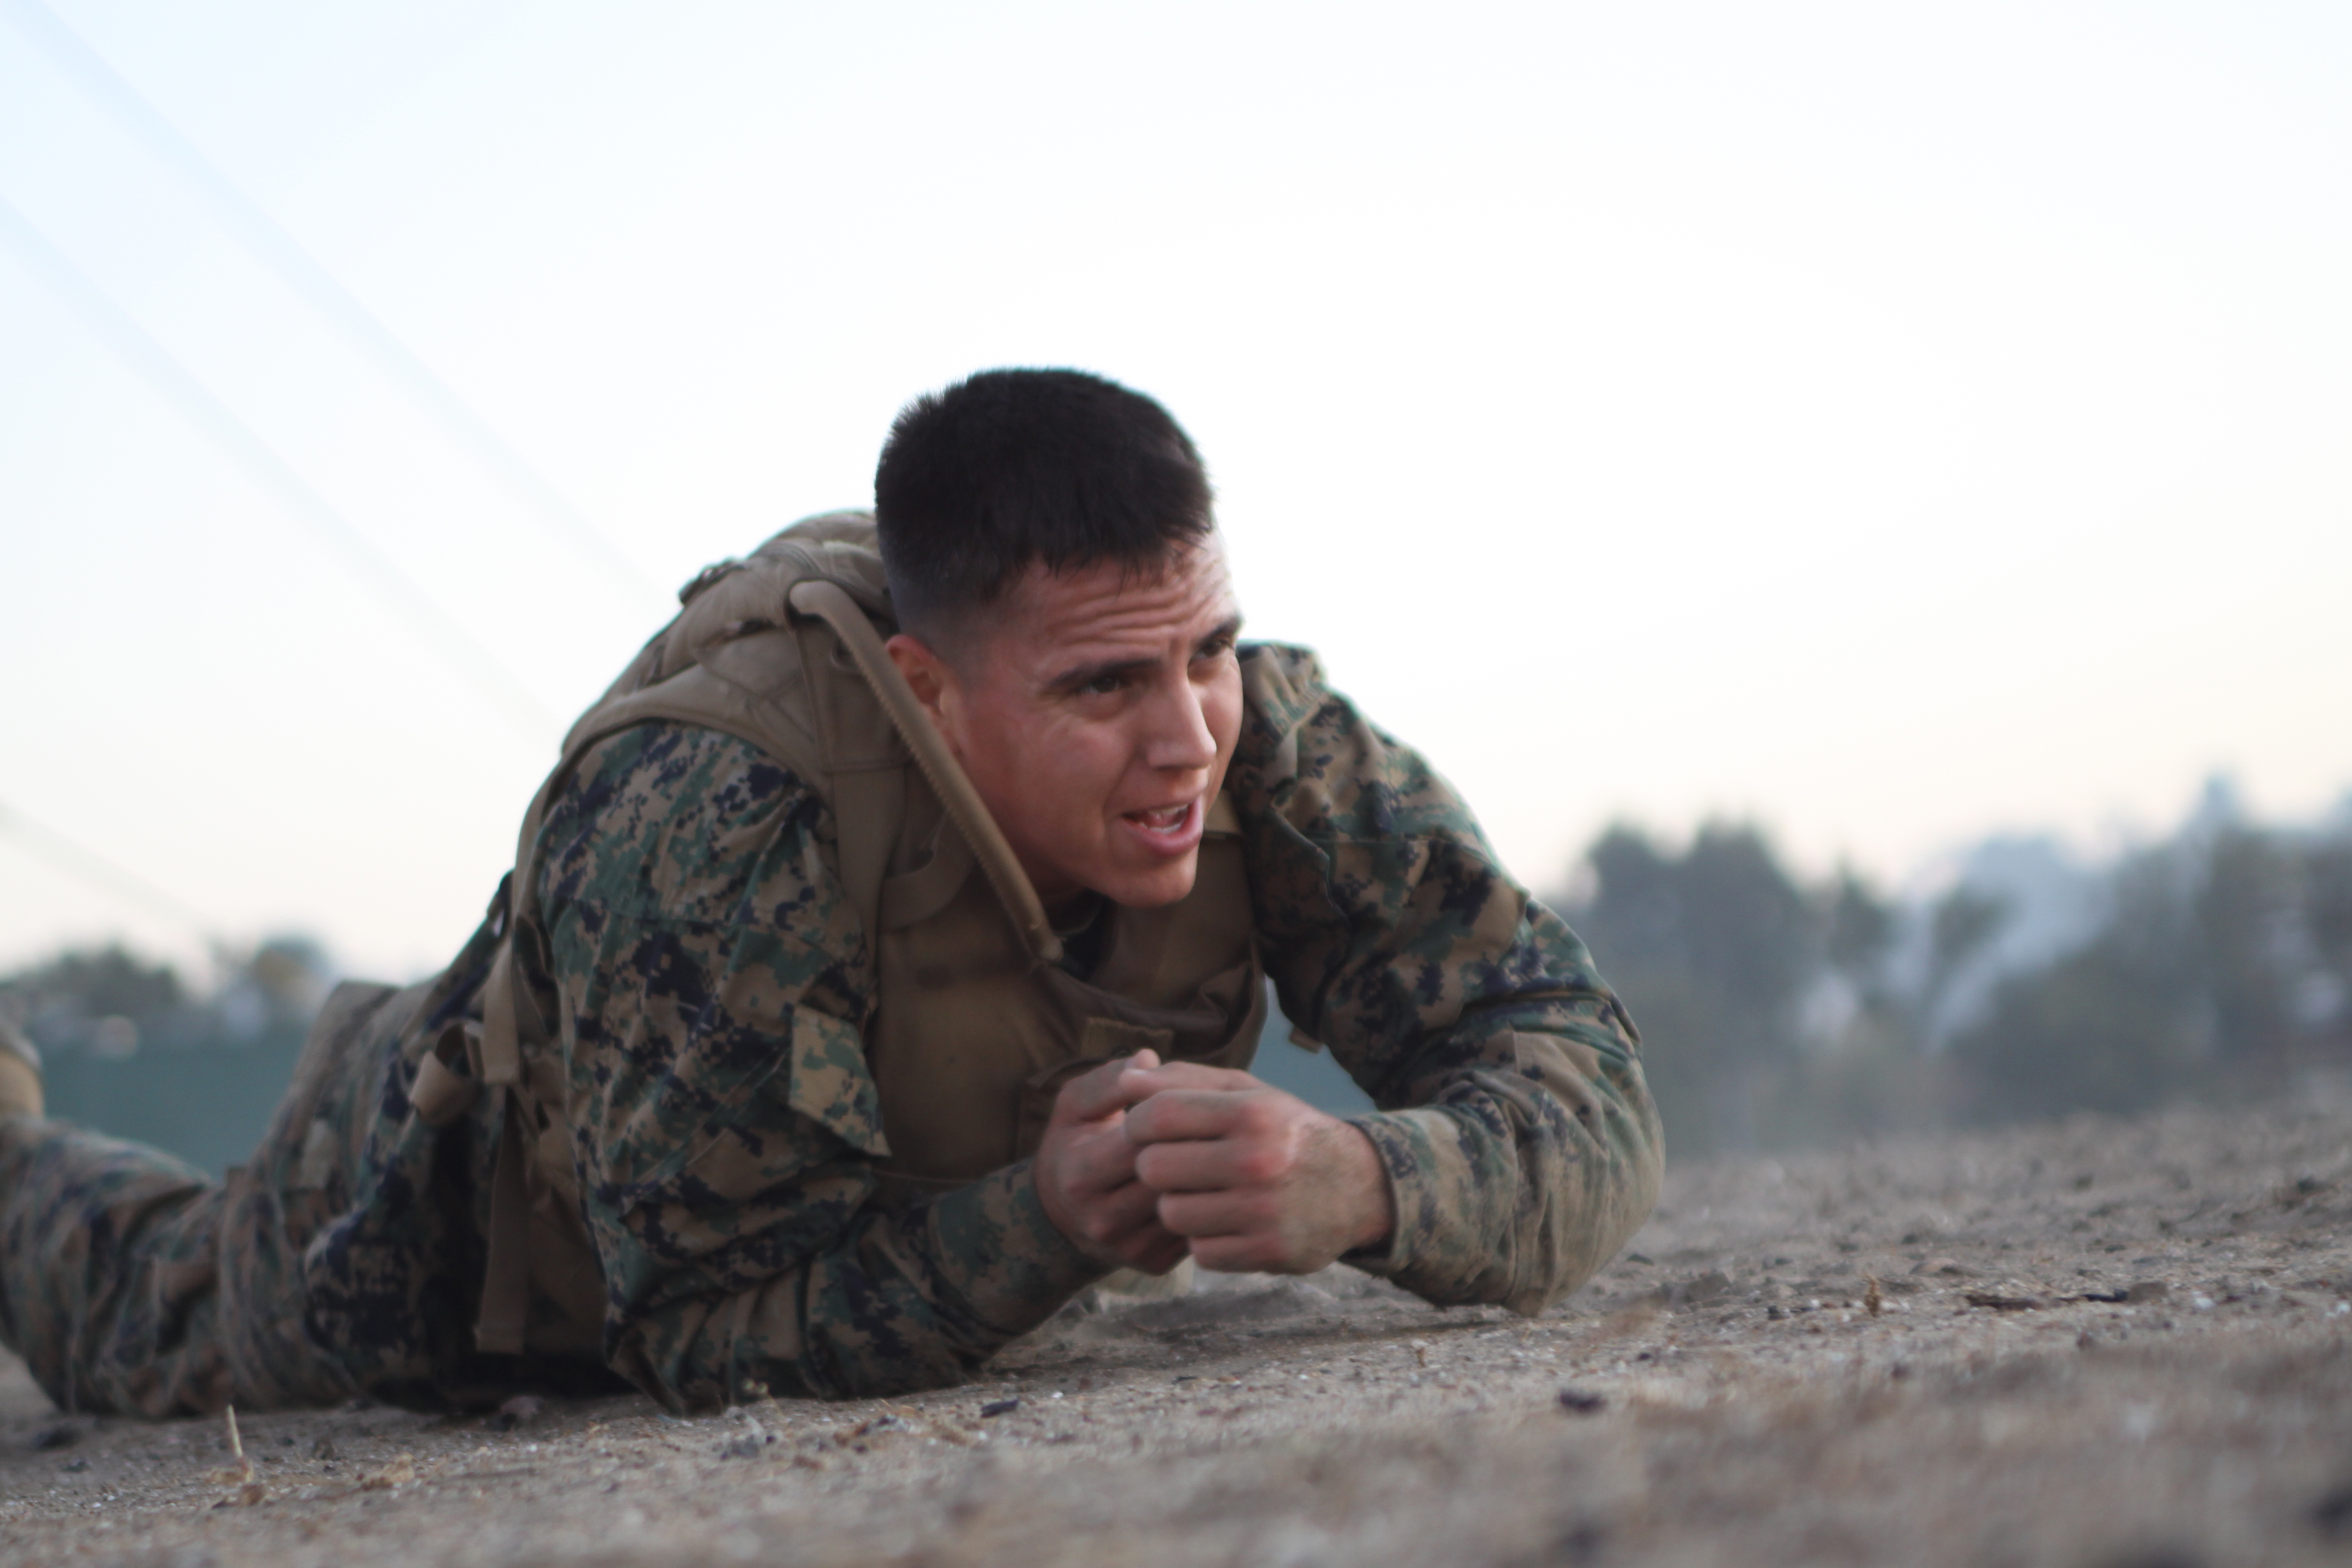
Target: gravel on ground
<point>2116,1343</point>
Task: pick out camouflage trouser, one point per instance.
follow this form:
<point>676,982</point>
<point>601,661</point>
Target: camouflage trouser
<point>131,1282</point>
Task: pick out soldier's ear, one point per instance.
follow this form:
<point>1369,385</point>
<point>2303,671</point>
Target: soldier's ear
<point>927,673</point>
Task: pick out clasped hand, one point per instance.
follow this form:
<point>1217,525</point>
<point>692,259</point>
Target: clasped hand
<point>1144,1161</point>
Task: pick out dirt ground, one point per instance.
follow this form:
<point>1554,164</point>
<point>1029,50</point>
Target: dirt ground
<point>2114,1343</point>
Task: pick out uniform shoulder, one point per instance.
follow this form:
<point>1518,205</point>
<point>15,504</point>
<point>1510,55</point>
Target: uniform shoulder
<point>691,812</point>
<point>1282,685</point>
<point>681,762</point>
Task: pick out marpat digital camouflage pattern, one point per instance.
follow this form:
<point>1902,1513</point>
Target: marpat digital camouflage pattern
<point>724,1119</point>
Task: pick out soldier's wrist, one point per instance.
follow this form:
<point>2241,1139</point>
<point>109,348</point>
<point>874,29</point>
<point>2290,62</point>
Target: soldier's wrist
<point>1403,1201</point>
<point>1011,1264</point>
<point>1371,1198</point>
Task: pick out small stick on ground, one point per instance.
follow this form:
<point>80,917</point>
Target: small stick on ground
<point>248,1485</point>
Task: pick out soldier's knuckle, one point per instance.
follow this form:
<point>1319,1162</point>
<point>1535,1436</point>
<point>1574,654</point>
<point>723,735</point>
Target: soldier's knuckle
<point>1259,1164</point>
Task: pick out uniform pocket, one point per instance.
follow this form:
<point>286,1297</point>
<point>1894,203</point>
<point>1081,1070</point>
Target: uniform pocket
<point>830,1083</point>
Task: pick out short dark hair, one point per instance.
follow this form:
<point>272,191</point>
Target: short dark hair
<point>1012,468</point>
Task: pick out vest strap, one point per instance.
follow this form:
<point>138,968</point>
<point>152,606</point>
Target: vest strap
<point>829,603</point>
<point>505,1274</point>
<point>502,1044</point>
<point>440,1093</point>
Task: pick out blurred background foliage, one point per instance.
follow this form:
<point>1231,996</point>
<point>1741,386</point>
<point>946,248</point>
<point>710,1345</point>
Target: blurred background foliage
<point>128,1046</point>
<point>2019,981</point>
<point>2214,965</point>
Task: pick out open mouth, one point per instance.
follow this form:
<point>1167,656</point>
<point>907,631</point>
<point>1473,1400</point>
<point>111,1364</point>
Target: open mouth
<point>1169,820</point>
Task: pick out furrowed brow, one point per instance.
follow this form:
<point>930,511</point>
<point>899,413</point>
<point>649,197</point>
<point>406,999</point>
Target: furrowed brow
<point>1079,675</point>
<point>1082,675</point>
<point>1228,631</point>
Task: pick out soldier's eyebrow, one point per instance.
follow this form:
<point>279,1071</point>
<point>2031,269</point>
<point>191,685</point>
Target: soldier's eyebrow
<point>1222,636</point>
<point>1077,676</point>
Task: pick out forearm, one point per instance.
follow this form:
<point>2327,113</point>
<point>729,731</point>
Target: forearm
<point>908,1299</point>
<point>1518,1173</point>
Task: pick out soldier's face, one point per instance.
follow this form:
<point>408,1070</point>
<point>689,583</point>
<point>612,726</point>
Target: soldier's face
<point>1095,711</point>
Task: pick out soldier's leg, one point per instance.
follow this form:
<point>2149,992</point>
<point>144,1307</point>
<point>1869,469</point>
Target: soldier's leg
<point>99,1286</point>
<point>108,1270</point>
<point>129,1282</point>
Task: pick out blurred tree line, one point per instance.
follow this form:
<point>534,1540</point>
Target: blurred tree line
<point>130,1048</point>
<point>1777,1013</point>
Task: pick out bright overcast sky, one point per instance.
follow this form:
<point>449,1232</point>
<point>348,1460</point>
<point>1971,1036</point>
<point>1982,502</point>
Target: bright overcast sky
<point>1888,421</point>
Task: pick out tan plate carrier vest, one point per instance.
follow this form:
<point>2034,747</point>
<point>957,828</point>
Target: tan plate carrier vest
<point>977,1025</point>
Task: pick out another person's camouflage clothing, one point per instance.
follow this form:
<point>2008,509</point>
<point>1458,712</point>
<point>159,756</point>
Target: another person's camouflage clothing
<point>715,981</point>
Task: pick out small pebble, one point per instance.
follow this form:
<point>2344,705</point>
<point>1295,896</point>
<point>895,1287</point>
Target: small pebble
<point>521,1409</point>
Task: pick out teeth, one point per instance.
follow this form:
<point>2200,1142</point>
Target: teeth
<point>1165,820</point>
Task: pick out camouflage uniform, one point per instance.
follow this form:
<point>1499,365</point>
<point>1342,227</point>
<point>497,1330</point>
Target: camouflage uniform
<point>690,907</point>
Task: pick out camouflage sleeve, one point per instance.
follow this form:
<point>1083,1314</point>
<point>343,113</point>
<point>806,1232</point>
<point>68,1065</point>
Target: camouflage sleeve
<point>708,979</point>
<point>1521,1143</point>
